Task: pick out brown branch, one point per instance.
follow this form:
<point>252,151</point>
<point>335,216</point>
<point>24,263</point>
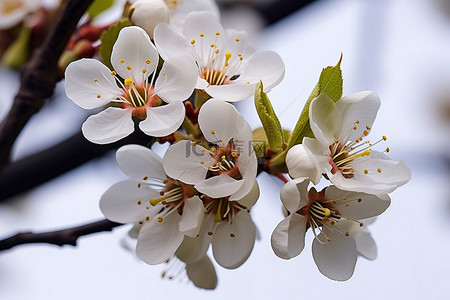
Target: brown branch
<point>39,76</point>
<point>67,236</point>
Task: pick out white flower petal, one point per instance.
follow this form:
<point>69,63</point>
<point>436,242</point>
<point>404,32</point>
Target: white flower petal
<point>323,117</point>
<point>294,194</point>
<point>177,79</point>
<point>108,126</point>
<point>219,186</point>
<point>139,162</point>
<point>183,8</point>
<point>157,241</point>
<point>393,174</point>
<point>219,120</point>
<point>231,92</point>
<point>233,243</point>
<point>336,259</point>
<point>302,163</point>
<point>170,43</point>
<point>365,244</point>
<point>163,120</point>
<point>183,162</point>
<point>250,198</point>
<point>192,249</point>
<point>128,61</point>
<point>86,80</point>
<point>208,25</point>
<point>351,208</point>
<point>362,107</point>
<point>288,238</point>
<point>265,66</point>
<point>124,202</point>
<point>192,217</point>
<point>202,273</point>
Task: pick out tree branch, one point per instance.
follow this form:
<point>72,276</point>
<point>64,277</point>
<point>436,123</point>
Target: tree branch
<point>39,76</point>
<point>31,171</point>
<point>67,236</point>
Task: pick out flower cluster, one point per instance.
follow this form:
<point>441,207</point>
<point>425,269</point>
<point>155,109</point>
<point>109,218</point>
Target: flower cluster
<point>361,178</point>
<point>174,76</point>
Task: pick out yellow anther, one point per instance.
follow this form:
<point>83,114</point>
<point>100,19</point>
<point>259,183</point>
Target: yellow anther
<point>128,68</point>
<point>365,132</point>
<point>227,58</point>
<point>144,70</point>
<point>357,122</point>
<point>361,224</point>
<point>210,233</point>
<point>248,82</point>
<point>96,79</point>
<point>113,73</point>
<point>366,172</point>
<point>326,211</point>
<point>164,73</point>
<point>237,39</point>
<point>147,218</point>
<point>122,61</point>
<point>328,239</point>
<point>128,81</point>
<point>210,168</point>
<point>192,42</point>
<point>217,51</point>
<point>347,234</point>
<point>354,127</point>
<point>344,198</point>
<point>379,170</point>
<point>202,35</point>
<point>213,149</point>
<point>160,219</point>
<point>203,150</point>
<point>234,154</point>
<point>223,157</point>
<point>217,33</point>
<point>193,144</point>
<point>384,137</point>
<point>212,45</point>
<point>368,127</point>
<point>145,178</point>
<point>139,202</point>
<point>213,132</point>
<point>359,200</point>
<point>98,96</point>
<point>147,62</point>
<point>334,201</point>
<point>232,235</point>
<point>202,162</point>
<point>387,149</point>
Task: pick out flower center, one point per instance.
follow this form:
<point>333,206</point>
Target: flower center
<point>322,212</point>
<point>216,68</point>
<point>173,4</point>
<point>342,155</point>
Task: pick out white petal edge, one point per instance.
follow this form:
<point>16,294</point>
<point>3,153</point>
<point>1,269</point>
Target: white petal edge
<point>202,273</point>
<point>86,80</point>
<point>108,126</point>
<point>294,194</point>
<point>230,252</point>
<point>163,120</point>
<point>288,238</point>
<point>219,186</point>
<point>192,217</point>
<point>139,162</point>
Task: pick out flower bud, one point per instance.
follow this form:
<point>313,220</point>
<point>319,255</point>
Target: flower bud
<point>149,13</point>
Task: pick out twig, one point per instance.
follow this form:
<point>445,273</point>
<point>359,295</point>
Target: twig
<point>39,76</point>
<point>67,236</point>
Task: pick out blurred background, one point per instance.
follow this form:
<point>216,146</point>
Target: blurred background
<point>397,48</point>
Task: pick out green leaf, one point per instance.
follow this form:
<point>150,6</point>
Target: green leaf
<point>99,6</point>
<point>269,120</point>
<point>330,83</point>
<point>108,38</point>
<point>17,53</point>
